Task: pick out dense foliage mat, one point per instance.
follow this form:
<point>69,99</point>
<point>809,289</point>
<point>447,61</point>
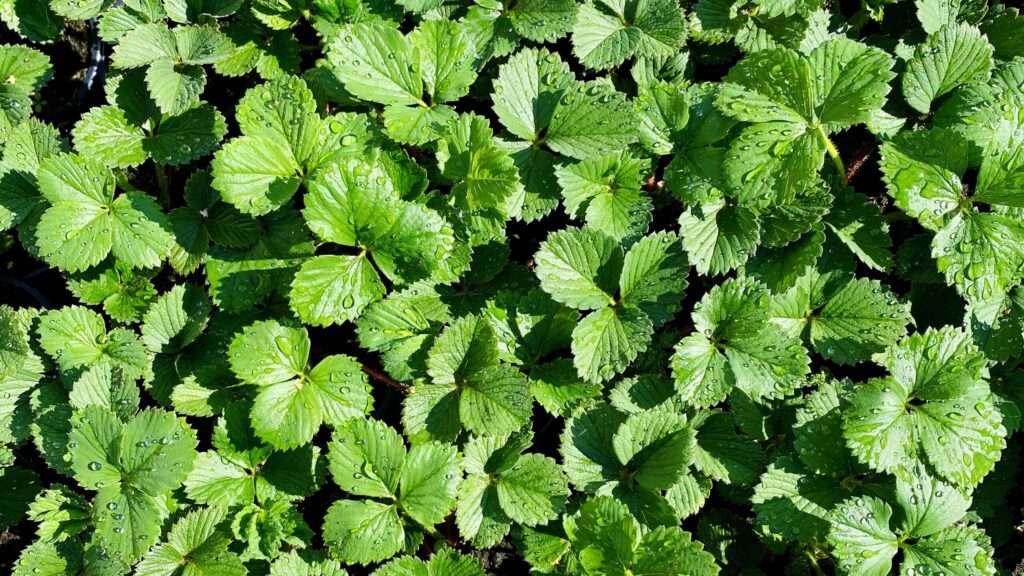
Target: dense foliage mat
<point>467,287</point>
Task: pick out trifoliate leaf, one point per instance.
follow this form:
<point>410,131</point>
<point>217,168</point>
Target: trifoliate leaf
<point>846,319</point>
<point>484,176</point>
<point>606,192</point>
<point>86,222</point>
<point>735,345</point>
<point>294,400</point>
<point>936,408</point>
<point>77,337</point>
<point>356,204</point>
<point>195,545</point>
<point>607,33</point>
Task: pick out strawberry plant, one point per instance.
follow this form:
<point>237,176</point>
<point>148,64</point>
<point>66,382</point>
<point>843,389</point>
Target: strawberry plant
<point>471,287</point>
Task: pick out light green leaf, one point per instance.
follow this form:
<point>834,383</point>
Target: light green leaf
<point>527,91</point>
<point>579,267</point>
<point>334,289</point>
<point>428,482</point>
<point>936,408</point>
<point>592,119</point>
<point>719,236</point>
<point>606,191</point>
<point>954,55</point>
<point>105,134</point>
<point>484,175</point>
<point>373,62</point>
<point>366,458</point>
<point>255,174</point>
<point>860,535</point>
<point>533,490</point>
<point>446,59</point>
<point>607,33</point>
<point>363,531</point>
<point>607,341</point>
<point>194,545</point>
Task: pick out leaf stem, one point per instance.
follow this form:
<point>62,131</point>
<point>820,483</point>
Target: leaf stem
<point>837,160</point>
<point>386,380</point>
<point>814,563</point>
<point>164,186</point>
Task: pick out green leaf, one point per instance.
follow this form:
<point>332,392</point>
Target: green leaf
<point>255,174</point>
<point>980,253</point>
<point>794,504</point>
<point>542,20</point>
<point>655,447</point>
<point>363,531</point>
<point>606,191</point>
<point>484,175</point>
<point>588,458</point>
<point>673,550</point>
<point>188,136</point>
<point>292,402</point>
<point>928,505</point>
<point>851,81</point>
<point>373,61</point>
<point>176,319</point>
<point>579,267</point>
<point>175,89</point>
<point>87,222</point>
<point>444,562</point>
<point>943,552</point>
<point>736,346</point>
<point>527,91</point>
<point>533,490</point>
<point>847,319</point>
<point>653,276</point>
<point>24,71</point>
<point>195,545</point>
<point>723,454</point>
<point>105,134</point>
<point>292,564</point>
<point>366,458</point>
<point>77,337</point>
<point>936,408</point>
<point>334,289</point>
<point>495,401</point>
<point>428,482</point>
<point>608,340</point>
<point>446,59</point>
<point>607,33</point>
<point>922,172</point>
<point>719,236</point>
<point>861,538</point>
<point>356,204</point>
<point>592,119</point>
<point>953,55</point>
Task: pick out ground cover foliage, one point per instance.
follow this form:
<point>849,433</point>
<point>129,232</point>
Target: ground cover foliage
<point>453,287</point>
